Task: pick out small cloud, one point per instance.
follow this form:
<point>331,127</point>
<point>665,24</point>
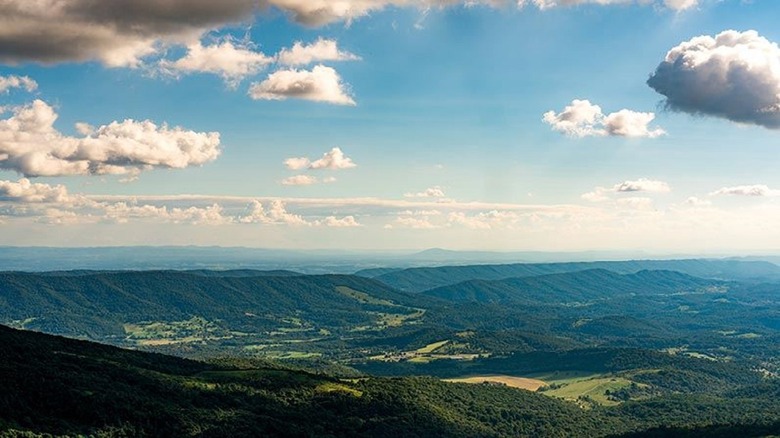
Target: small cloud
<point>432,192</point>
<point>297,163</point>
<point>299,180</point>
<point>10,82</point>
<point>333,160</point>
<point>755,190</point>
<point>26,191</point>
<point>321,50</point>
<point>600,194</point>
<point>275,214</point>
<point>232,62</point>
<point>321,84</point>
<point>332,221</point>
<point>584,119</point>
<point>643,185</point>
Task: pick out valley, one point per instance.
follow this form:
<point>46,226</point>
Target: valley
<point>646,348</point>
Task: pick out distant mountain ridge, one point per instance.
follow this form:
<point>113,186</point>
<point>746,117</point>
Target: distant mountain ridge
<point>568,287</point>
<point>421,279</point>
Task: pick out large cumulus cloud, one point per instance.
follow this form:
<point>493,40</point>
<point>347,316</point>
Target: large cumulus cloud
<point>32,146</point>
<point>116,32</point>
<point>733,75</point>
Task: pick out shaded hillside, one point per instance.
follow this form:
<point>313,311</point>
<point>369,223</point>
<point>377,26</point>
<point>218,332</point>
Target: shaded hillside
<point>420,279</point>
<point>53,385</point>
<point>60,386</point>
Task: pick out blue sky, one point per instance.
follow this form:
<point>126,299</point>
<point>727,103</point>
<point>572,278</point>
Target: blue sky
<point>413,124</point>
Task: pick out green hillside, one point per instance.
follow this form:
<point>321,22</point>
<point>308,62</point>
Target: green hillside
<point>53,386</point>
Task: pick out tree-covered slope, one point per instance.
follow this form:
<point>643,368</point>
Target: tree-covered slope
<point>63,387</point>
<point>97,305</point>
<point>60,386</point>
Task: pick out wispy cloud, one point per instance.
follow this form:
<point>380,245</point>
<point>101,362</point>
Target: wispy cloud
<point>10,82</point>
<point>630,186</point>
<point>756,190</point>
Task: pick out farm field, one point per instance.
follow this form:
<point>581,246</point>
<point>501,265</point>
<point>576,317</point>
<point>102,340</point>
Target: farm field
<point>511,381</point>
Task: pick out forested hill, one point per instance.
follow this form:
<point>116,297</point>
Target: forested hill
<point>420,279</point>
<point>54,386</point>
<point>572,287</point>
<point>97,305</point>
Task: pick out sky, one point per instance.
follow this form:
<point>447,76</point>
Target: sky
<point>546,125</point>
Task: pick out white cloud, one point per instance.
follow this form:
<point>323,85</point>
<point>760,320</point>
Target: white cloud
<point>627,123</point>
<point>321,84</point>
<point>643,185</point>
<point>26,191</point>
<point>299,180</point>
<point>275,214</point>
<point>681,5</point>
<point>117,33</point>
<point>733,75</point>
<point>30,145</point>
<point>345,222</point>
<point>319,51</point>
<point>757,190</point>
<point>122,212</point>
<point>13,81</point>
<point>600,194</point>
<point>233,62</point>
<point>584,119</point>
<point>334,159</point>
<point>676,5</point>
<point>431,192</point>
<point>297,163</point>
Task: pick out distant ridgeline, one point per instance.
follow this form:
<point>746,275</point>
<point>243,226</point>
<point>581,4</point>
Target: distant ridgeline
<point>420,279</point>
<point>678,347</point>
